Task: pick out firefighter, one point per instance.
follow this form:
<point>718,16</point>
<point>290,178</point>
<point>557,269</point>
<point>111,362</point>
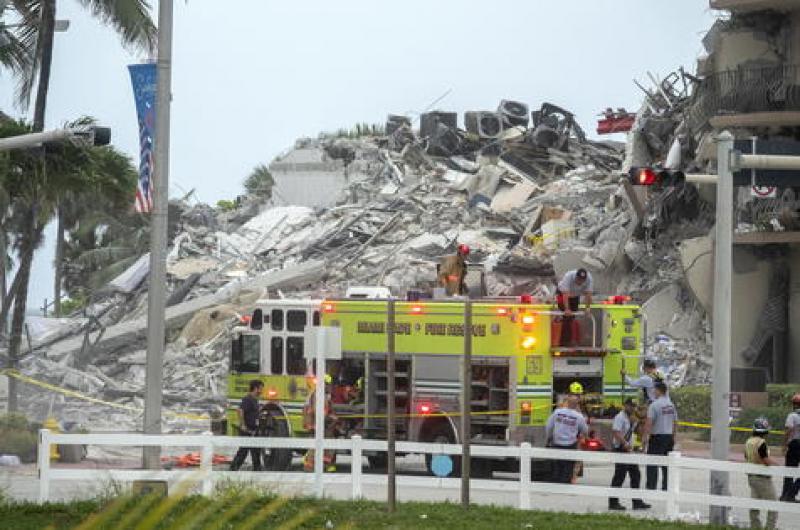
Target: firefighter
<point>573,285</point>
<point>625,424</point>
<point>565,429</point>
<point>659,433</point>
<point>647,381</point>
<point>309,423</point>
<point>452,272</point>
<point>756,452</point>
<point>248,426</point>
<point>791,487</point>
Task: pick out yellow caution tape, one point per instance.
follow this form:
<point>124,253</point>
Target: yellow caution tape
<point>536,240</point>
<point>707,426</point>
<point>77,395</point>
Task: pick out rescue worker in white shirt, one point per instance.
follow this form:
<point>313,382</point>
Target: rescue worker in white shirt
<point>791,487</point>
<point>659,433</point>
<point>624,425</point>
<point>756,452</point>
<point>309,423</point>
<point>573,285</point>
<point>565,429</point>
<point>647,381</point>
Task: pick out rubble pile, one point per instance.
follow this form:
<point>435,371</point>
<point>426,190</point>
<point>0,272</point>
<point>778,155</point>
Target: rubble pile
<point>531,201</point>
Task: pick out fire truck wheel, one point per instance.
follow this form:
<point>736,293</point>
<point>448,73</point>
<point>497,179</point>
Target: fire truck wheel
<point>378,462</point>
<point>275,459</point>
<point>442,434</point>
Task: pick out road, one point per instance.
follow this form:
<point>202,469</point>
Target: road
<point>21,483</point>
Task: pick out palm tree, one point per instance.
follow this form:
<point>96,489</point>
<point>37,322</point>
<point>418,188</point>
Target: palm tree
<point>260,182</point>
<point>30,58</point>
<point>33,52</point>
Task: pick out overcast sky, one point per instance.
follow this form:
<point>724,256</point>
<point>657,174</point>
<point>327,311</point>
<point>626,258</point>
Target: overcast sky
<point>251,76</point>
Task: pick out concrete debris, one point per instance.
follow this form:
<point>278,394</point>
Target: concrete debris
<point>533,199</point>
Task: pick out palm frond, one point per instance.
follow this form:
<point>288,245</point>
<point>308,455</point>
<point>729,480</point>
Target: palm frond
<point>129,18</point>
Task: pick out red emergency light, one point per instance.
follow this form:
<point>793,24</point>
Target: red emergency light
<point>328,307</point>
<point>502,311</point>
<point>525,406</point>
<point>525,299</point>
<point>416,310</point>
<point>272,393</point>
<point>528,319</point>
<point>424,408</point>
<point>646,176</point>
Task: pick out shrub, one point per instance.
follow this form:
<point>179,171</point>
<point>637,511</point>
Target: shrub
<point>226,205</point>
<point>13,421</point>
<point>781,395</point>
<point>775,415</point>
<point>693,403</point>
<point>18,442</point>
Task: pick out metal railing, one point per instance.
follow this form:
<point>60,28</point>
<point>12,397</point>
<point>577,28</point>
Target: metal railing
<point>524,487</point>
<point>773,88</point>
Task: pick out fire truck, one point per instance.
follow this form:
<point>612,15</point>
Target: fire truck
<point>520,371</point>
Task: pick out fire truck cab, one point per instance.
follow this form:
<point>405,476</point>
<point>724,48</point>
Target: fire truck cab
<point>520,372</point>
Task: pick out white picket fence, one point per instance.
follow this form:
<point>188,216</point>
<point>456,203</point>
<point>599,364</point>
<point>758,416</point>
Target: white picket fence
<point>206,476</point>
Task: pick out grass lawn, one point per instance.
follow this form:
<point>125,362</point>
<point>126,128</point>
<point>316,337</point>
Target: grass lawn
<point>244,509</point>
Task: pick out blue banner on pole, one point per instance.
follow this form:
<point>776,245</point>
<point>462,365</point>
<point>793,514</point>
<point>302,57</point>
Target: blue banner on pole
<point>143,78</point>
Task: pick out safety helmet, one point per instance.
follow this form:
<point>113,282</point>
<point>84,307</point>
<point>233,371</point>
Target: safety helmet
<point>328,379</point>
<point>463,249</point>
<point>575,388</point>
<point>796,400</point>
<point>761,426</point>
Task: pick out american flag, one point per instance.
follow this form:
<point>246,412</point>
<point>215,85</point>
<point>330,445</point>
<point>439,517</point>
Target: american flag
<point>144,191</point>
<point>143,78</point>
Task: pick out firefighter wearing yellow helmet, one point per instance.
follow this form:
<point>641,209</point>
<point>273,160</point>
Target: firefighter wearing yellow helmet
<point>576,388</point>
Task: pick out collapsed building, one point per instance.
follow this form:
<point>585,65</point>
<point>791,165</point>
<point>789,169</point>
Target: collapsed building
<point>527,190</point>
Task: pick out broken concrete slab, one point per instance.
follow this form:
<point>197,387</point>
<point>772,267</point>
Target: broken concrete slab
<point>697,261</point>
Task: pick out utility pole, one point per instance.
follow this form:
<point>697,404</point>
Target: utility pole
<point>391,470</point>
<point>466,402</point>
<point>154,372</point>
<point>723,258</point>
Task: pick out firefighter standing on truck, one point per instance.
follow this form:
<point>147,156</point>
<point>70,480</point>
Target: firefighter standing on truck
<point>573,285</point>
<point>452,272</point>
<point>791,487</point>
<point>565,429</point>
<point>309,423</point>
<point>761,487</point>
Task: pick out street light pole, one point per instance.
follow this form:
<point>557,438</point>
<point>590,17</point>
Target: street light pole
<point>723,257</point>
<point>154,375</point>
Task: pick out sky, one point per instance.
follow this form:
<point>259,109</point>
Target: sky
<point>251,76</point>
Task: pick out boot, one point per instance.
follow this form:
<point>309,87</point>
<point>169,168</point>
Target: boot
<point>614,504</point>
<point>639,504</point>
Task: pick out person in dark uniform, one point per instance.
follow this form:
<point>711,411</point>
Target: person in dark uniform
<point>248,426</point>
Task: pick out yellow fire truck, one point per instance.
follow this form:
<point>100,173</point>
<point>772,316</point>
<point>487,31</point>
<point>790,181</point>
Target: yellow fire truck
<point>519,370</point>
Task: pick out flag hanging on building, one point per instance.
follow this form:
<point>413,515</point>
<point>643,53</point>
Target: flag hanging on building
<point>143,77</point>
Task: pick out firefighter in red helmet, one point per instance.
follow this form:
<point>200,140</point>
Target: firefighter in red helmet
<point>452,271</point>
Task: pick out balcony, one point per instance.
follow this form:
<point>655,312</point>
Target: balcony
<point>746,91</point>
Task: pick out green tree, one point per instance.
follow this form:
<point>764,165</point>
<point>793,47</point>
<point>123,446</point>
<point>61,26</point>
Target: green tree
<point>29,57</point>
<point>260,182</point>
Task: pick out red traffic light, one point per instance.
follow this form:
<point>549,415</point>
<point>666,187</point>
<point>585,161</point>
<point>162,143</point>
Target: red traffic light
<point>646,176</point>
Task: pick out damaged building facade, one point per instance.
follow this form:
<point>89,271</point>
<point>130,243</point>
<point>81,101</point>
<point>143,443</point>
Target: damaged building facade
<point>523,186</point>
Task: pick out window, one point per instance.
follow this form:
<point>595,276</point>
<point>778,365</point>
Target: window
<point>276,356</point>
<point>296,363</point>
<point>277,320</point>
<point>316,318</point>
<point>296,320</point>
<point>257,319</point>
<point>246,354</point>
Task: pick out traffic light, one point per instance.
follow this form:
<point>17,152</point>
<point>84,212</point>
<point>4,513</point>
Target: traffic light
<point>648,176</point>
